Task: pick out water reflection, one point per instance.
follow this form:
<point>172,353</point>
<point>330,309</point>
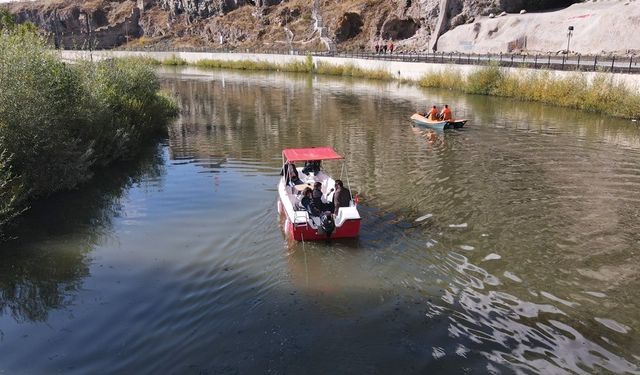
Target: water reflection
<point>534,197</point>
<point>41,269</point>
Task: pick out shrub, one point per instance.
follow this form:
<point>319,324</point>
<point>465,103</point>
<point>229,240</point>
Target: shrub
<point>484,80</point>
<point>41,109</point>
<point>447,79</point>
<point>174,61</point>
<point>350,70</point>
<point>58,121</point>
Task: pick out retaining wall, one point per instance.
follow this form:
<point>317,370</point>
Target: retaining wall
<point>399,69</point>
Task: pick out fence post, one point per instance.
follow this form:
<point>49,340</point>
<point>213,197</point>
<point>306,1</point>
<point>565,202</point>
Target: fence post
<point>512,60</point>
<point>535,62</point>
<point>579,61</point>
<point>630,61</point>
<point>613,61</point>
<point>468,59</point>
<point>563,56</point>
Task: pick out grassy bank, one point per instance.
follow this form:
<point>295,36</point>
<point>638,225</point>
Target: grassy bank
<point>307,66</point>
<point>602,94</point>
<point>60,122</point>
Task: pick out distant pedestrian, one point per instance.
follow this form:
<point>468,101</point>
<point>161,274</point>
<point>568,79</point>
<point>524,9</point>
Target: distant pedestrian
<point>391,48</point>
<point>377,48</point>
<point>384,48</point>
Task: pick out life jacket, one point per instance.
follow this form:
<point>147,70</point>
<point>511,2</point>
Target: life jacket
<point>432,114</point>
<point>446,114</point>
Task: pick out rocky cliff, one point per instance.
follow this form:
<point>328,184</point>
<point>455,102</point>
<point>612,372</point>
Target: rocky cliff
<point>311,25</point>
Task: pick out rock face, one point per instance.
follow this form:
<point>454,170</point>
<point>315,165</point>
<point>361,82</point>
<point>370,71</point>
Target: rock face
<point>598,27</point>
<point>71,25</point>
<point>413,25</point>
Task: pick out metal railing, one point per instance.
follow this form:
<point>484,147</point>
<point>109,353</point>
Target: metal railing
<point>584,63</point>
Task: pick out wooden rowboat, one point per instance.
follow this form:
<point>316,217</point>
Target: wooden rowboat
<point>420,120</point>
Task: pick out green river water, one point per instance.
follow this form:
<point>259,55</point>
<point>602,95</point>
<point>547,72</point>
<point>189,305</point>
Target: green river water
<point>511,246</point>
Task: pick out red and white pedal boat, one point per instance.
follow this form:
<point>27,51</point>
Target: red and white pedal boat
<point>299,224</point>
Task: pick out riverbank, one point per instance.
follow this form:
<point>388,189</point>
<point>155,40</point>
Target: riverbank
<point>615,94</point>
<point>60,123</point>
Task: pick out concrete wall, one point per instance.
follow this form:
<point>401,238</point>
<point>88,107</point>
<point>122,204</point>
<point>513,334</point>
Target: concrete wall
<point>401,70</point>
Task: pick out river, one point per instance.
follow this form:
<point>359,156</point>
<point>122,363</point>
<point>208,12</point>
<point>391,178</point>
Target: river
<point>511,246</point>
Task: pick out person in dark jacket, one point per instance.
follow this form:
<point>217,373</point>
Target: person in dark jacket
<point>308,204</point>
<point>341,197</point>
<point>311,166</point>
<point>290,173</point>
<point>317,198</point>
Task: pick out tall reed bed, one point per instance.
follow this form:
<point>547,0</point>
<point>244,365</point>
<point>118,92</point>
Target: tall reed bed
<point>60,122</point>
<point>306,66</point>
<point>295,67</point>
<point>350,70</point>
<point>602,94</point>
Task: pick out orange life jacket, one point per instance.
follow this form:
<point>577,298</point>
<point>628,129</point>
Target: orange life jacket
<point>432,114</point>
<point>446,113</point>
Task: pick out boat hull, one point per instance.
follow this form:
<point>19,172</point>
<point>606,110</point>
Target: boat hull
<point>304,232</point>
<point>298,224</point>
<point>440,125</point>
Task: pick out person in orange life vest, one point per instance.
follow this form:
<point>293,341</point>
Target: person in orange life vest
<point>445,114</point>
<point>432,114</point>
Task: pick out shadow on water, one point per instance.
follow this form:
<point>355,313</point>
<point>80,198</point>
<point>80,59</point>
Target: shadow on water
<point>39,273</point>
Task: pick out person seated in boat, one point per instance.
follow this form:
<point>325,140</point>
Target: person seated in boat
<point>311,166</point>
<point>308,204</point>
<point>290,173</point>
<point>445,114</point>
<point>432,114</point>
<point>318,198</point>
<point>341,197</point>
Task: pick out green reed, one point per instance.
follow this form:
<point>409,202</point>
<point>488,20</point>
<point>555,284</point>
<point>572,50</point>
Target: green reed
<point>351,70</point>
<point>59,122</point>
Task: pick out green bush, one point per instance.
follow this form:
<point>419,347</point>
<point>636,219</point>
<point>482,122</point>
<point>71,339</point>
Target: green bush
<point>350,70</point>
<point>58,122</point>
<point>174,61</point>
<point>484,80</point>
<point>446,79</point>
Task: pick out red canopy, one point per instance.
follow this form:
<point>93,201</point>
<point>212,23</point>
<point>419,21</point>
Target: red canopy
<point>311,153</point>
